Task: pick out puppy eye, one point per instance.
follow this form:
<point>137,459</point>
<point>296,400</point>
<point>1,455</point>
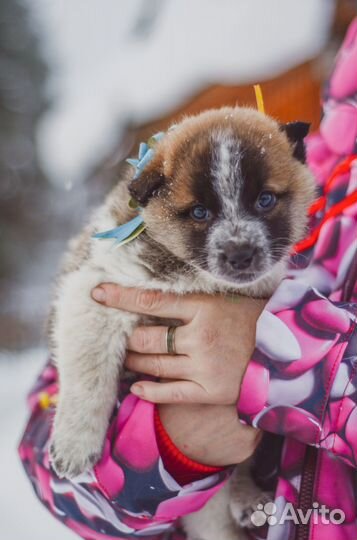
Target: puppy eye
<point>200,213</point>
<point>266,201</point>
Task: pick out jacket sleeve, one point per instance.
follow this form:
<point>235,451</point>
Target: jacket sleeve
<point>301,381</point>
<point>129,493</point>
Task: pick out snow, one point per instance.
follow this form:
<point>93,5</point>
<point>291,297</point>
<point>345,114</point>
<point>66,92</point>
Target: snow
<point>21,514</point>
<point>114,62</point>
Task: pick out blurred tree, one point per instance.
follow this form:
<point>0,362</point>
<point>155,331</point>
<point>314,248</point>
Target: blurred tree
<point>22,76</point>
<point>36,218</point>
<point>21,101</point>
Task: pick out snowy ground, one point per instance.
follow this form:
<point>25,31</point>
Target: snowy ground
<point>22,517</point>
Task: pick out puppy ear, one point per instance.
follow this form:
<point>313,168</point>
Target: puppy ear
<point>296,132</point>
<point>145,186</point>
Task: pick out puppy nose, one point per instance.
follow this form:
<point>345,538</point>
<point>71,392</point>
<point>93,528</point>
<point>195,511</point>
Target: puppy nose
<point>238,256</point>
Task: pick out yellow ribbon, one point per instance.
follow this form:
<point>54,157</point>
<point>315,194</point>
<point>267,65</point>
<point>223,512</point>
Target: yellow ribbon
<point>259,98</point>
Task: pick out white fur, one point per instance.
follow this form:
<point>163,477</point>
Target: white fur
<point>214,520</point>
<point>226,173</point>
<point>223,517</point>
<point>90,350</point>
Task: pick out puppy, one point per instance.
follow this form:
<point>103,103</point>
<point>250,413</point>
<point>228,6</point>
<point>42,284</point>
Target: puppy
<point>224,198</point>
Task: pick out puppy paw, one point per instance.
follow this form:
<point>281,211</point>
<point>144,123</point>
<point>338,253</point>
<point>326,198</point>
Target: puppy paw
<point>243,510</point>
<point>69,462</point>
<point>74,451</point>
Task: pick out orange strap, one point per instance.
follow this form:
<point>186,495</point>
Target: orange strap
<point>317,205</point>
<point>342,168</point>
<point>337,209</point>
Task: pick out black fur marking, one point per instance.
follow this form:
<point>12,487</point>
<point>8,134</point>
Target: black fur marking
<point>203,191</point>
<point>144,187</point>
<point>255,173</point>
<point>202,184</point>
<point>296,132</point>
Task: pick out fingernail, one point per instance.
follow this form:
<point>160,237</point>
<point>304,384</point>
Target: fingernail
<point>137,390</point>
<point>98,294</point>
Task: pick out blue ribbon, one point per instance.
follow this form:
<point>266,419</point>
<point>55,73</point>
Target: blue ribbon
<point>130,230</point>
<point>123,232</point>
<point>145,155</point>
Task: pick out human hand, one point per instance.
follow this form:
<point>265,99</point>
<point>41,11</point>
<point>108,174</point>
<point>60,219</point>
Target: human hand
<point>209,434</point>
<point>213,345</point>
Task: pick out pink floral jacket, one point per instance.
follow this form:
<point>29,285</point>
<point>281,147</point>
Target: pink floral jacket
<point>300,387</point>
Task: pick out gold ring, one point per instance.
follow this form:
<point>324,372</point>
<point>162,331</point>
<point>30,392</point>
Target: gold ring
<point>170,340</point>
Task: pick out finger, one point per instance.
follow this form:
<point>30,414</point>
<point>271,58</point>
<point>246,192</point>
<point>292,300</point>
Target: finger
<point>155,303</point>
<point>160,365</point>
<point>153,339</point>
<point>171,392</point>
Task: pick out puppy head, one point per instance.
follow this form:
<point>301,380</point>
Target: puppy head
<point>227,191</point>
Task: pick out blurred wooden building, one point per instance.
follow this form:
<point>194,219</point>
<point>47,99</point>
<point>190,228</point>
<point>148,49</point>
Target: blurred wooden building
<point>295,94</point>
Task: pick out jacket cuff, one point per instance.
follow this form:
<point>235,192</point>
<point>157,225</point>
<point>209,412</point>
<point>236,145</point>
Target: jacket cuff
<point>290,380</point>
<point>183,469</point>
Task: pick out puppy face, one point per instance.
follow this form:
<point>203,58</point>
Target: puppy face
<point>228,193</point>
